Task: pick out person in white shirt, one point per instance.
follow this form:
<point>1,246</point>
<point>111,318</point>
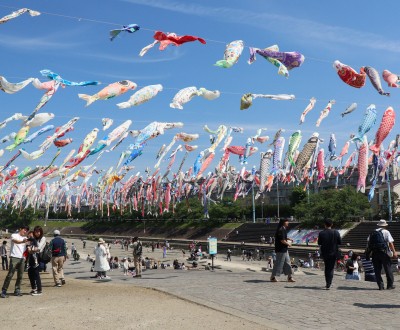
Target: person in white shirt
<point>381,257</point>
<point>17,261</point>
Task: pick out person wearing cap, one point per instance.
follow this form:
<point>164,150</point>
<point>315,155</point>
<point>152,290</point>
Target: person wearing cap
<point>17,261</point>
<point>382,258</point>
<point>329,240</point>
<point>58,247</point>
<point>282,243</point>
<point>4,255</point>
<point>101,265</point>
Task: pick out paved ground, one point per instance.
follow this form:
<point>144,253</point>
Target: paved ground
<point>240,288</point>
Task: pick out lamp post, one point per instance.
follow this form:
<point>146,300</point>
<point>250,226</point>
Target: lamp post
<point>389,195</point>
<point>277,195</point>
<point>262,207</point>
<point>254,206</point>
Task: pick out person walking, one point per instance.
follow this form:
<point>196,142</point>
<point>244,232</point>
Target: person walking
<point>58,247</point>
<point>137,256</point>
<point>17,261</point>
<point>4,255</point>
<point>282,243</point>
<point>228,255</point>
<point>101,265</point>
<point>381,248</point>
<point>329,240</point>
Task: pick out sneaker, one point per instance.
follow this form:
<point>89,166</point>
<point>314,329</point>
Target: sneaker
<point>37,293</point>
<point>17,293</point>
<point>4,294</point>
<point>62,281</point>
<point>328,286</point>
<point>392,287</point>
<point>34,290</point>
<point>291,280</point>
<point>58,285</point>
<point>273,279</point>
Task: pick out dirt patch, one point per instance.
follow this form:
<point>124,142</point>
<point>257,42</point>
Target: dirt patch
<point>83,304</point>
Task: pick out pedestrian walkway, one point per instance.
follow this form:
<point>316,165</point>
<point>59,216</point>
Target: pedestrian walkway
<point>241,288</point>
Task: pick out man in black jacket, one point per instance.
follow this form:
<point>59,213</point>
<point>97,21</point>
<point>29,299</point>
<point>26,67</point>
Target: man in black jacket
<point>329,240</point>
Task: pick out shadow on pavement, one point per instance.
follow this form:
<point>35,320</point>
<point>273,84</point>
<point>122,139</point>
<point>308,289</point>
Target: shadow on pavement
<point>309,273</point>
<point>256,281</point>
<point>355,288</point>
<point>305,287</point>
<point>375,305</point>
<point>157,278</point>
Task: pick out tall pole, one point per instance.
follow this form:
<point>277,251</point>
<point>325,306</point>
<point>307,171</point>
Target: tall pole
<point>254,206</point>
<point>262,207</point>
<point>389,195</point>
<point>46,216</point>
<point>277,195</point>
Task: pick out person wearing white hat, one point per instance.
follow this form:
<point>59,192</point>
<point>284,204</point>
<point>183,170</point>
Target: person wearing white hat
<point>101,265</point>
<point>58,248</point>
<point>381,248</point>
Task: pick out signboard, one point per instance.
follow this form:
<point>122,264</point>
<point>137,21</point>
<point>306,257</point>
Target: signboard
<point>212,245</point>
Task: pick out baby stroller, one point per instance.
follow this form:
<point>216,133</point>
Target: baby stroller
<point>76,255</point>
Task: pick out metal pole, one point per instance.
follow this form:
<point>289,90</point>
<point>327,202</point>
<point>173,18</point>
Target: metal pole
<point>262,207</point>
<point>254,206</point>
<point>46,217</point>
<point>277,195</point>
<point>389,195</point>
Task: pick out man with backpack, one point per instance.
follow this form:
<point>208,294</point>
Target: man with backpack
<point>381,248</point>
<point>137,256</point>
<point>59,251</point>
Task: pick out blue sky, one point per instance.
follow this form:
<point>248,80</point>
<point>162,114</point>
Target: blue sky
<point>71,38</point>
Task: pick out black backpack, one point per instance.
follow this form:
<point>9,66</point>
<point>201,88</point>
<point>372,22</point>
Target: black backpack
<point>46,254</point>
<point>139,249</point>
<point>377,242</point>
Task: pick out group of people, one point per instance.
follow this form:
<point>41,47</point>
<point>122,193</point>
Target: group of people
<point>102,259</point>
<point>380,249</point>
<point>26,250</point>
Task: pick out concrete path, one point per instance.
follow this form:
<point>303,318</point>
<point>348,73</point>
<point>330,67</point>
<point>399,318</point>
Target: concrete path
<point>241,288</point>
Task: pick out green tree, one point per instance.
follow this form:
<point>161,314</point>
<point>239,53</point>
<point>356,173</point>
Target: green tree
<point>384,211</point>
<point>298,194</point>
<point>341,205</point>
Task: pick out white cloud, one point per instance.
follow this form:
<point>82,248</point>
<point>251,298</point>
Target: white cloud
<point>124,77</point>
<point>289,25</point>
<point>134,58</point>
<point>34,43</point>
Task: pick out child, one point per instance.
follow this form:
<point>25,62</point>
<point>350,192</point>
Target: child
<point>125,264</point>
<point>32,259</point>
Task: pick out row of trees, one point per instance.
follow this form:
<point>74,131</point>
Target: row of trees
<point>342,205</point>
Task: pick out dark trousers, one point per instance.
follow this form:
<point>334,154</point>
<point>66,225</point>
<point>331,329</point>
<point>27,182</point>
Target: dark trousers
<point>380,259</point>
<point>34,278</point>
<point>16,264</point>
<point>329,268</point>
<point>4,262</point>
